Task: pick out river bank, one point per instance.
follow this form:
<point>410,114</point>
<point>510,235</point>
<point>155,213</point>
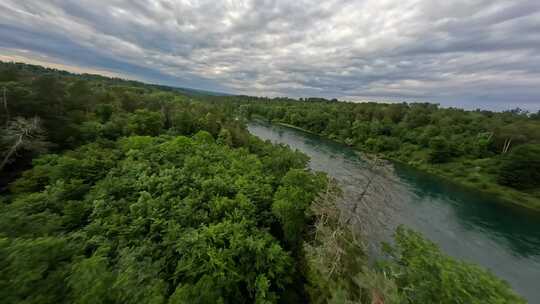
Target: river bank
<point>465,223</point>
<point>454,172</point>
<point>506,196</point>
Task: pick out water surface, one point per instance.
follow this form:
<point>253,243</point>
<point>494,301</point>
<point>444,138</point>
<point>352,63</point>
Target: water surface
<point>464,223</point>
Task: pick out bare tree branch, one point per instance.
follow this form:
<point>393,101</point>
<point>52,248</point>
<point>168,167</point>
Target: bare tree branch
<point>22,134</point>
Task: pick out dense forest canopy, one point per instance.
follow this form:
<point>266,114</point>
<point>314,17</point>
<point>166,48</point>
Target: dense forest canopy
<point>115,191</point>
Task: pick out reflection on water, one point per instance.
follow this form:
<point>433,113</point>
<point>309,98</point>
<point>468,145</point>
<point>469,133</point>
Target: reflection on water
<point>515,229</point>
<point>464,223</point>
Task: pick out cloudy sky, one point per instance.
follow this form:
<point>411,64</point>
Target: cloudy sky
<point>466,53</point>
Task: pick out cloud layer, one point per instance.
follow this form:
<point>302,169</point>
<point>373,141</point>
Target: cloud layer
<point>468,53</point>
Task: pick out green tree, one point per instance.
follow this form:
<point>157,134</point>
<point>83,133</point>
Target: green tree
<point>144,122</point>
<point>425,275</point>
<point>104,112</point>
<point>9,73</point>
<point>225,137</point>
<point>34,270</point>
<point>292,201</point>
<point>51,91</point>
<point>521,167</point>
<point>440,150</point>
<point>79,95</point>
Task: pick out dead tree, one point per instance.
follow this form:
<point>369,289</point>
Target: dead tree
<point>22,134</point>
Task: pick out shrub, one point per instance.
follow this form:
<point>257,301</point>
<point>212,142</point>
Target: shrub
<point>521,168</point>
<point>424,274</point>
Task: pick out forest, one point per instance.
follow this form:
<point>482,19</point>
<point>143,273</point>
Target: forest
<point>116,191</point>
<point>494,152</point>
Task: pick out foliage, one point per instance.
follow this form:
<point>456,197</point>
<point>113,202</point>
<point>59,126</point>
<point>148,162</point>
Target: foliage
<point>521,168</point>
<point>423,135</point>
<point>150,197</point>
<point>425,275</point>
<point>440,151</point>
<point>292,201</point>
<point>76,109</point>
<point>144,122</point>
<point>151,218</point>
<point>153,195</point>
<point>338,269</point>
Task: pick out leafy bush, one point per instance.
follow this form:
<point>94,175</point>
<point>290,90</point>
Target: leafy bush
<point>144,122</point>
<point>424,274</point>
<point>292,201</point>
<point>521,168</point>
<point>440,150</point>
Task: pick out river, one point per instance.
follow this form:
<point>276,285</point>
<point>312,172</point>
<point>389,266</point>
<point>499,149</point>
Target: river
<point>464,223</point>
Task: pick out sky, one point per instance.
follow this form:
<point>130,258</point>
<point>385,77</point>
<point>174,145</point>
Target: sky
<point>463,53</point>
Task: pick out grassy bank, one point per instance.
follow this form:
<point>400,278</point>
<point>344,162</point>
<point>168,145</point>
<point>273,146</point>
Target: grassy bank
<point>473,179</point>
<point>483,183</point>
<point>475,175</point>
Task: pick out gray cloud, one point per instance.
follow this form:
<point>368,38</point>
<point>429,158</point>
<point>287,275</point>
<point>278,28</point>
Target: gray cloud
<point>469,53</point>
